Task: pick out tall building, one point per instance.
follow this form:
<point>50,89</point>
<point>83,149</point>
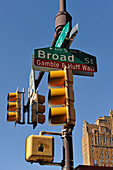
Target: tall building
<point>97,141</point>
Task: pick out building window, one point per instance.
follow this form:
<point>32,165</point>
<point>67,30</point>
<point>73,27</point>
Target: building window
<point>100,140</point>
<point>103,129</point>
<point>92,140</point>
<point>111,141</point>
<point>105,141</point>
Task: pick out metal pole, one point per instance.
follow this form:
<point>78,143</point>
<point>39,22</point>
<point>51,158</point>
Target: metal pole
<point>67,150</point>
<point>68,163</point>
<point>62,5</point>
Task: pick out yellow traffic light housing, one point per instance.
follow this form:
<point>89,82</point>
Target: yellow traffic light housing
<point>38,109</point>
<point>14,107</point>
<point>39,148</point>
<point>61,98</point>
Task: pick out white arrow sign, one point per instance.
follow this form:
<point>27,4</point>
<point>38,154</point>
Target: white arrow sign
<point>73,33</point>
<point>32,85</point>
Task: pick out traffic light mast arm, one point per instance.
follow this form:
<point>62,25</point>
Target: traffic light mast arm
<point>51,164</point>
<point>50,133</point>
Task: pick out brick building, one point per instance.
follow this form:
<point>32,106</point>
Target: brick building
<point>97,142</point>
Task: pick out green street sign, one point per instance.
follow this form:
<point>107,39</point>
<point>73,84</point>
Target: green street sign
<point>62,35</point>
<point>46,59</point>
<point>87,59</point>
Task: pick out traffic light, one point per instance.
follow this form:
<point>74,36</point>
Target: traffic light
<point>14,107</point>
<point>61,98</point>
<point>39,148</point>
<point>38,109</point>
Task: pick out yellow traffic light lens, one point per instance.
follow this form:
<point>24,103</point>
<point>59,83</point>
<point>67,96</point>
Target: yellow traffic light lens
<point>58,115</point>
<point>58,92</point>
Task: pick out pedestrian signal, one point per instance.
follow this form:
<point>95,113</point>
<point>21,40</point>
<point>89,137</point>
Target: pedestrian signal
<point>39,148</point>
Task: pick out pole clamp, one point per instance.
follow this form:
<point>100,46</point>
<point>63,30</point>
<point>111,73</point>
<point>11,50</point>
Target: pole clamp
<point>71,167</point>
<point>66,133</point>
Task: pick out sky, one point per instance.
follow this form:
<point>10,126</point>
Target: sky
<point>26,25</point>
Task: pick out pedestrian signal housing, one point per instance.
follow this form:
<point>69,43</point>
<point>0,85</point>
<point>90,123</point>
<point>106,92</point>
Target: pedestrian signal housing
<point>61,98</point>
<point>14,107</point>
<point>39,148</point>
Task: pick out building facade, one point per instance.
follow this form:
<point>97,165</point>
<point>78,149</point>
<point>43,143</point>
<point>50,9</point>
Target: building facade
<point>97,142</point>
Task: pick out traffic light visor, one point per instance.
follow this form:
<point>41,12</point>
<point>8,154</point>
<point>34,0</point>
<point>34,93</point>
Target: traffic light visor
<point>41,99</point>
<point>12,116</point>
<point>58,115</point>
<point>38,118</point>
<point>12,97</point>
<point>56,78</point>
<point>57,97</point>
<point>12,106</point>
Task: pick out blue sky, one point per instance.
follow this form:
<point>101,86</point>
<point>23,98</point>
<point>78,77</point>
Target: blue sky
<point>26,25</point>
